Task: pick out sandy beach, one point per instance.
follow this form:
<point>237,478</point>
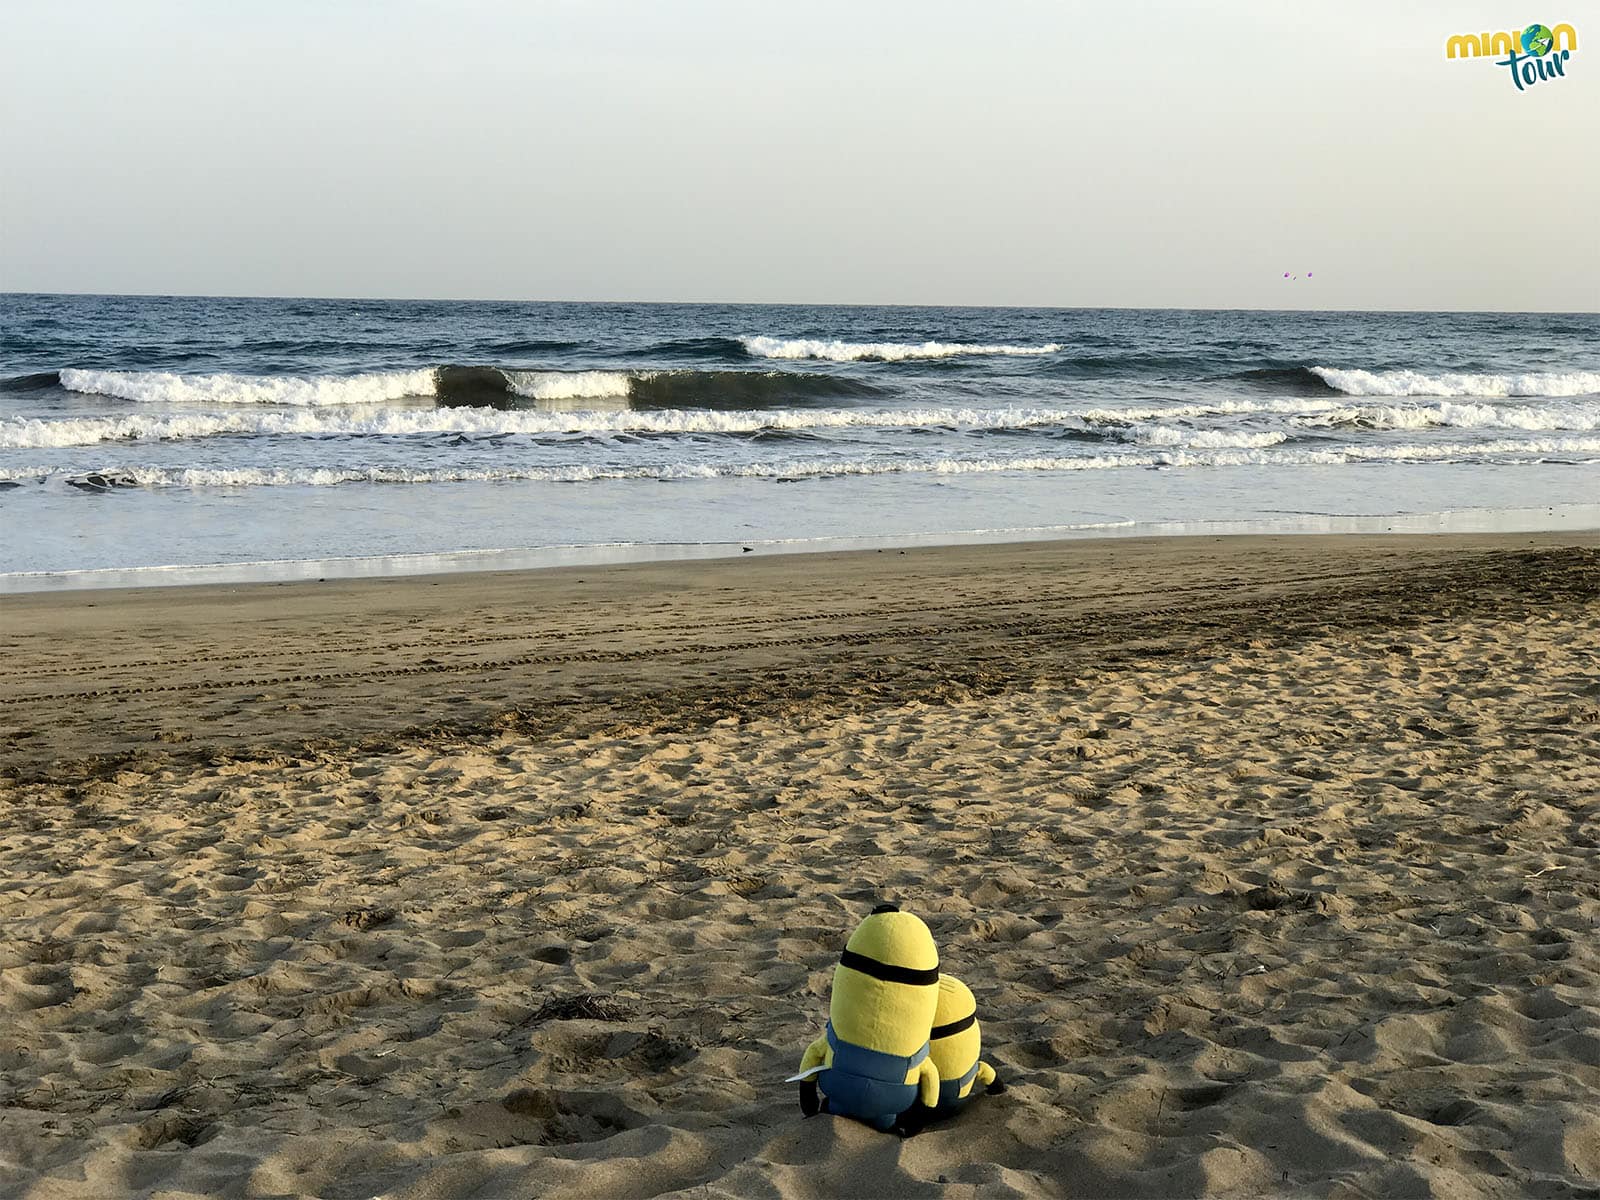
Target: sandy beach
<point>1272,862</point>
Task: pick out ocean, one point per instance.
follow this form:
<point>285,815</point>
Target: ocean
<point>270,436</point>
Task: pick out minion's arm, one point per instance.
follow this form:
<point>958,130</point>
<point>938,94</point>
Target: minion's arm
<point>985,1076</point>
<point>928,1083</point>
<point>816,1054</point>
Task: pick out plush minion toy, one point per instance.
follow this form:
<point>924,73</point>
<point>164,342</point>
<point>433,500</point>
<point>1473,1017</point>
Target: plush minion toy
<point>953,1047</point>
<point>872,1062</point>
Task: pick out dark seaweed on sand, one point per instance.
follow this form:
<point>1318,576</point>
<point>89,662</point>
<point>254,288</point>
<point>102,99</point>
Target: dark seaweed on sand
<point>582,1007</point>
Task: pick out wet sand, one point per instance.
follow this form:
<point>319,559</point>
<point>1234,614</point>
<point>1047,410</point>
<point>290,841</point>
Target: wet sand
<point>1272,863</point>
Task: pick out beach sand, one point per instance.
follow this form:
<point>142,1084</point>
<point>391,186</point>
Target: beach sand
<point>1273,863</point>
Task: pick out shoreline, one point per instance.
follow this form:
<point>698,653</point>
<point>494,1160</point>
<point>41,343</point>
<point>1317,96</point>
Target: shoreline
<point>93,679</point>
<point>1566,518</point>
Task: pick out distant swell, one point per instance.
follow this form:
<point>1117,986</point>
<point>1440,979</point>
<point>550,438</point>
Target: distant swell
<point>723,348</point>
<point>1299,380</point>
<point>31,383</point>
<point>524,346</point>
<point>1128,365</point>
<point>838,351</point>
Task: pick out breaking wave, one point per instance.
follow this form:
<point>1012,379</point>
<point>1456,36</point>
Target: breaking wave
<point>556,404</point>
<point>1446,414</point>
<point>148,387</point>
<point>510,387</point>
<point>452,386</point>
<point>838,351</point>
<point>1416,383</point>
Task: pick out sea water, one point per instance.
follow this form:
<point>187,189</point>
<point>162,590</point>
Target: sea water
<point>156,432</point>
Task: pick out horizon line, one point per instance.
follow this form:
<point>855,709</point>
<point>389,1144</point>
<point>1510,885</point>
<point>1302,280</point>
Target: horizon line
<point>794,303</point>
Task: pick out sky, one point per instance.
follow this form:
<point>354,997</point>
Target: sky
<point>1011,152</point>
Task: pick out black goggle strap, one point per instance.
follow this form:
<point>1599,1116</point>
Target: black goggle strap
<point>955,1027</point>
<point>888,972</point>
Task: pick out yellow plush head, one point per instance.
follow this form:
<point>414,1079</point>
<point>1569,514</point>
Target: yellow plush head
<point>886,986</point>
<point>956,1040</point>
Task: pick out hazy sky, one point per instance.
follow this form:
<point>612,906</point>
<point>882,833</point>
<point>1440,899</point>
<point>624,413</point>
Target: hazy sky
<point>1004,152</point>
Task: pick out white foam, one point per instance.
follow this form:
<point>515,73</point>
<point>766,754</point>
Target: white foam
<point>838,351</point>
<point>42,433</point>
<point>572,385</point>
<point>1506,450</point>
<point>1416,383</point>
<point>165,387</point>
<point>38,433</point>
<point>1211,408</point>
<point>1462,416</point>
<point>1167,435</point>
